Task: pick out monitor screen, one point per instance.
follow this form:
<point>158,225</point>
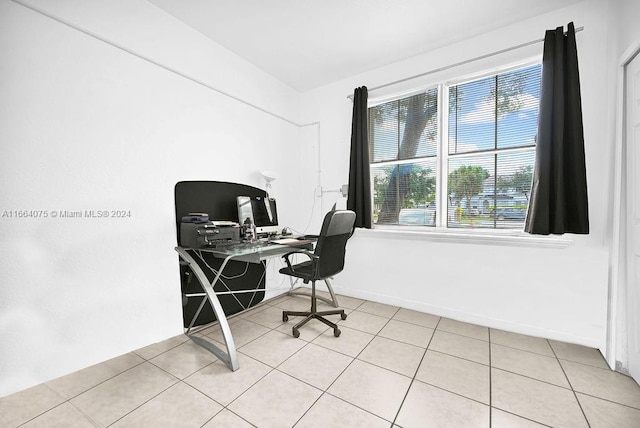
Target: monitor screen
<point>261,211</point>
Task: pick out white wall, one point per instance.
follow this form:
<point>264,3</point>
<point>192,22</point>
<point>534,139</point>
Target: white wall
<point>626,25</point>
<point>554,293</point>
<point>87,126</point>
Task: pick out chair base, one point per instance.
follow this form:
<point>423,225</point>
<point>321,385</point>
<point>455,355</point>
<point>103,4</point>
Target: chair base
<point>313,314</point>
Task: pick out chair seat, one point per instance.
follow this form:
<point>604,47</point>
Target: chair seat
<point>302,270</point>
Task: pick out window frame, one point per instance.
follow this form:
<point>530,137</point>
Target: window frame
<point>440,232</point>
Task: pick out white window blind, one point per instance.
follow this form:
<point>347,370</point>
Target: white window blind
<point>482,154</point>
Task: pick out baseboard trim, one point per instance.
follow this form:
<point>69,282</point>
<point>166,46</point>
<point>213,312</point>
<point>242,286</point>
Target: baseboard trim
<point>472,318</point>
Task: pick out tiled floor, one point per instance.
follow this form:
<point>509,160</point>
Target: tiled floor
<point>390,367</point>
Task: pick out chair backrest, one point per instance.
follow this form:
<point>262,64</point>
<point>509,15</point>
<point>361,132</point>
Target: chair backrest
<point>332,241</point>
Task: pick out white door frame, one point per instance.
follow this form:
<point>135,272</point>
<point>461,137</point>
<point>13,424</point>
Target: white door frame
<point>615,262</point>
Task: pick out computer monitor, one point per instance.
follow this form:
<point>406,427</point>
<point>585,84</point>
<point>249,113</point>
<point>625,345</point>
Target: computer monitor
<point>262,212</point>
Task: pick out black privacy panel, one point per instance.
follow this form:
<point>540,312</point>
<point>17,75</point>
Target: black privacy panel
<point>218,199</point>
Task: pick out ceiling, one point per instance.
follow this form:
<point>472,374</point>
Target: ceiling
<point>309,43</point>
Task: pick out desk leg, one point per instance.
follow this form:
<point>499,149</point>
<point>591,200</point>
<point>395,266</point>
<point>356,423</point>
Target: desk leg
<point>333,301</point>
<point>231,357</point>
<point>333,295</point>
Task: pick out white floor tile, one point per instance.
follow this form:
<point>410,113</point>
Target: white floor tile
<point>316,365</point>
<point>377,390</point>
<point>578,354</point>
<point>272,348</point>
<point>366,375</point>
<point>460,346</point>
<point>456,375</point>
<point>113,399</point>
<point>464,329</point>
<point>406,332</point>
<point>277,400</point>
<point>393,355</point>
<point>184,359</point>
<point>427,405</point>
<point>178,406</point>
<point>602,413</point>
<point>532,399</point>
<point>22,406</point>
<point>351,342</point>
<point>522,342</point>
<point>603,383</point>
<point>330,411</point>
<point>363,321</point>
<point>415,317</point>
<point>528,364</point>
<point>221,384</point>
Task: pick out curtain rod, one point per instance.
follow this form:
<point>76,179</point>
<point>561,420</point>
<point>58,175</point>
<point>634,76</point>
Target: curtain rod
<point>457,64</point>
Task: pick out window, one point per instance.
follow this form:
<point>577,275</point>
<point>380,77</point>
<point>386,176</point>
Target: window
<point>467,163</point>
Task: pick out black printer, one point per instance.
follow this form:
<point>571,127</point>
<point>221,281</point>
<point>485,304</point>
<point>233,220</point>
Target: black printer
<point>197,231</point>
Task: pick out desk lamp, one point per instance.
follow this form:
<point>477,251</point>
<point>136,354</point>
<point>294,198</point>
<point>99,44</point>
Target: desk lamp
<point>268,176</point>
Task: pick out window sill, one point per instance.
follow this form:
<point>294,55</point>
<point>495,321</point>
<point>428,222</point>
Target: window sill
<point>484,237</point>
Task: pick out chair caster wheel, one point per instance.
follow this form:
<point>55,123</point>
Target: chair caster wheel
<point>285,318</point>
<point>343,316</point>
<point>336,332</point>
<point>296,333</point>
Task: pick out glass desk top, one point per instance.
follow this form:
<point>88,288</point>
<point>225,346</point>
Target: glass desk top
<point>254,252</point>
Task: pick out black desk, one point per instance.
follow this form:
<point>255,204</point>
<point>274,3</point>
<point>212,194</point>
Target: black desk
<point>218,199</point>
<point>244,262</point>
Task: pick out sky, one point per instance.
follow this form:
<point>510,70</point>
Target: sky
<point>472,127</point>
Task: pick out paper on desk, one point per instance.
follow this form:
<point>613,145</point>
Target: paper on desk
<point>290,241</point>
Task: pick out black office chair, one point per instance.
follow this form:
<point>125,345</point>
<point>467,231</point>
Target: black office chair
<point>326,261</point>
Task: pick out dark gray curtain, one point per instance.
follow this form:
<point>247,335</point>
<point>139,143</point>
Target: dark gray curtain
<point>558,201</point>
<point>359,197</point>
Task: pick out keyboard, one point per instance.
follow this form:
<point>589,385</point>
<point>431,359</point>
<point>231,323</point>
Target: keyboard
<point>308,237</point>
